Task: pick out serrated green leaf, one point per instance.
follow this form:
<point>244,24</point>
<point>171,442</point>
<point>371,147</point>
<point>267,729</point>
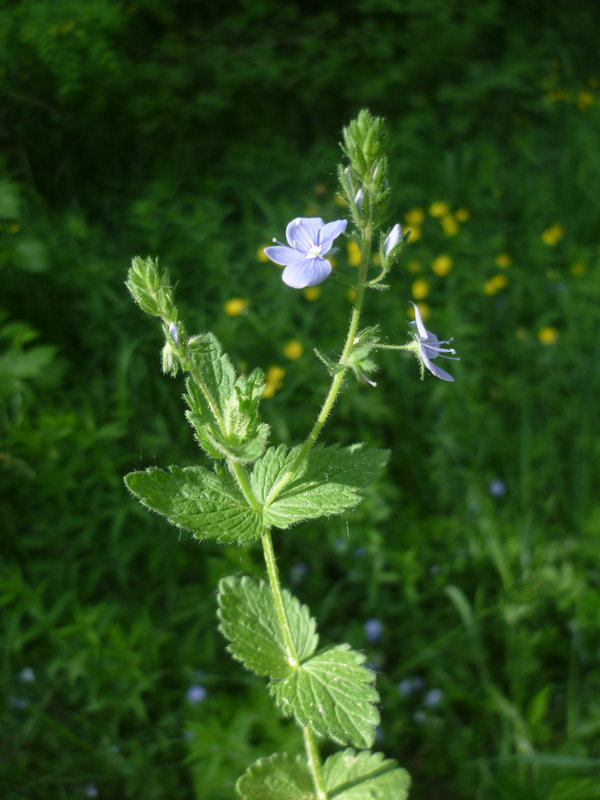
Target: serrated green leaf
<point>224,410</point>
<point>249,622</point>
<point>277,777</point>
<point>364,776</point>
<point>331,481</point>
<point>334,694</point>
<point>197,500</point>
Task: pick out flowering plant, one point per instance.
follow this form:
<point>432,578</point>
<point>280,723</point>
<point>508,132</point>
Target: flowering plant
<point>253,488</point>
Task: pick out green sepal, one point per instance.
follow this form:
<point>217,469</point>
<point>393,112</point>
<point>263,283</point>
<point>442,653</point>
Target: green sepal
<point>198,500</point>
<point>277,777</point>
<point>359,360</point>
<point>333,693</point>
<point>351,775</point>
<point>333,367</point>
<point>249,621</point>
<point>223,409</point>
<point>331,481</point>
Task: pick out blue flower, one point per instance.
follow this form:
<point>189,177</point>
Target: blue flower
<point>373,630</point>
<point>429,347</point>
<point>309,239</point>
<point>196,693</point>
<point>392,239</point>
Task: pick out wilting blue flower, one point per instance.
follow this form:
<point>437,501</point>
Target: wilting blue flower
<point>373,630</point>
<point>392,239</point>
<point>196,693</point>
<point>429,347</point>
<point>309,239</point>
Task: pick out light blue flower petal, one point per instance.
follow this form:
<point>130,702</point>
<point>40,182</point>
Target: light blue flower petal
<point>437,371</point>
<point>302,232</point>
<point>281,254</point>
<point>306,272</point>
<point>330,232</point>
<point>423,332</point>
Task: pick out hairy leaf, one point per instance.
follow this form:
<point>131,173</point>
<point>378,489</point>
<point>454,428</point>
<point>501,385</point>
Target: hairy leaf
<point>248,620</point>
<point>351,775</point>
<point>277,777</point>
<point>331,481</point>
<point>334,694</point>
<point>197,500</point>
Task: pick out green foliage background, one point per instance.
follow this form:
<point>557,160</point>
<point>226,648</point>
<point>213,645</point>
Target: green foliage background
<point>195,131</point>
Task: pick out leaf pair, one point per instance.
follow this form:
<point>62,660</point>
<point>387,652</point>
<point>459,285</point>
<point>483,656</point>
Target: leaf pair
<point>348,775</point>
<point>330,690</point>
<point>210,505</point>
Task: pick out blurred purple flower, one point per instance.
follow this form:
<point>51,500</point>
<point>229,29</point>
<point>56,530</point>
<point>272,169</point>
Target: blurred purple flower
<point>309,239</point>
<point>429,347</point>
<point>298,572</point>
<point>497,488</point>
<point>433,698</point>
<point>27,675</point>
<point>90,790</point>
<point>196,693</point>
<point>373,630</point>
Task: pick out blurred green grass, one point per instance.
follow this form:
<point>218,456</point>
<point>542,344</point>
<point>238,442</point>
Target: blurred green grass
<point>181,131</point>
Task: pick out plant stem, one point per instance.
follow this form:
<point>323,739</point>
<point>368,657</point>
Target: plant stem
<point>338,378</point>
<point>275,584</point>
<point>314,763</point>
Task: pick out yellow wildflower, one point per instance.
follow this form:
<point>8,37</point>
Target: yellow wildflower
<point>553,235</point>
<point>584,100</point>
<point>442,264</point>
<point>235,306</point>
<point>320,188</point>
<point>420,289</point>
<point>274,380</point>
<point>439,209</point>
<point>13,227</point>
<point>503,260</point>
<point>578,268</point>
<point>293,349</point>
<point>450,225</point>
<point>415,216</point>
<point>415,234</point>
<point>547,335</point>
<point>312,293</point>
<point>462,214</point>
<point>351,295</point>
<point>414,266</point>
<point>260,253</point>
<point>353,251</point>
<point>493,285</point>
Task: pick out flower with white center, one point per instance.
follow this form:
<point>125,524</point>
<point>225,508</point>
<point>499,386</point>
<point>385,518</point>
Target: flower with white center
<point>309,239</point>
<point>429,347</point>
<point>392,239</point>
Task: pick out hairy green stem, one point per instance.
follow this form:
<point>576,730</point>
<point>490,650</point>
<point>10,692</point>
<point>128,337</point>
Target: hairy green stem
<point>275,584</point>
<point>338,378</point>
<point>314,763</point>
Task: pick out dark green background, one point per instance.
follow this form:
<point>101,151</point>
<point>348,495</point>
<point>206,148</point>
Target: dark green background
<point>195,132</point>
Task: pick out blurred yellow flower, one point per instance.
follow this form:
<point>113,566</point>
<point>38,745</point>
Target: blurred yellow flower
<point>415,234</point>
<point>293,349</point>
<point>415,216</point>
<point>503,260</point>
<point>442,264</point>
<point>274,380</point>
<point>419,289</point>
<point>235,306</point>
<point>584,100</point>
<point>320,189</point>
<point>312,293</point>
<point>553,235</point>
<point>377,259</point>
<point>547,335</point>
<point>556,94</point>
<point>521,333</point>
<point>462,214</point>
<point>351,295</point>
<point>439,209</point>
<point>423,308</point>
<point>339,201</point>
<point>450,225</point>
<point>353,251</point>
<point>493,285</point>
<point>578,268</point>
<point>414,266</point>
<point>260,254</point>
<point>13,227</point>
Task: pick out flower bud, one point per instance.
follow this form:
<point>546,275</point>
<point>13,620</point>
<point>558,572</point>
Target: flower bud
<point>358,200</point>
<point>393,237</point>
